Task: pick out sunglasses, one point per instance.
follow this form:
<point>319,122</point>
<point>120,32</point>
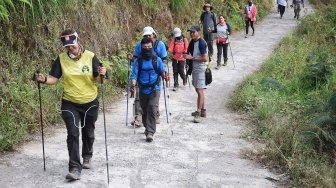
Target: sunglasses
<point>68,37</point>
<point>147,36</point>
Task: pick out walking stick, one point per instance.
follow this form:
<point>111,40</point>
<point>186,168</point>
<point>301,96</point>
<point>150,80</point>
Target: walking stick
<point>128,90</point>
<point>234,66</point>
<point>41,121</point>
<point>102,90</point>
<point>168,114</point>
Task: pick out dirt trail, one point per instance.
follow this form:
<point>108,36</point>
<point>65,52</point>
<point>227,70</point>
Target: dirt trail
<point>207,154</point>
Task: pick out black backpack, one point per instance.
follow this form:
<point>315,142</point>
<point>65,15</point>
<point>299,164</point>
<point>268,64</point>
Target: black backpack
<point>155,67</point>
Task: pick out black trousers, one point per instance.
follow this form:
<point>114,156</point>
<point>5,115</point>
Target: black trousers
<point>149,106</point>
<point>87,114</point>
<point>282,10</point>
<point>222,49</point>
<point>208,37</point>
<point>178,69</point>
<point>247,25</point>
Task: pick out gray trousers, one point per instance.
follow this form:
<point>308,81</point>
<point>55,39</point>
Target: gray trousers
<point>149,105</point>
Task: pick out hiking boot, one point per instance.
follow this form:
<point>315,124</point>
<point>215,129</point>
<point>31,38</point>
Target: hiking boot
<point>225,62</point>
<point>149,137</point>
<point>185,81</point>
<point>197,117</point>
<point>86,164</point>
<point>137,121</point>
<point>203,113</point>
<point>74,174</point>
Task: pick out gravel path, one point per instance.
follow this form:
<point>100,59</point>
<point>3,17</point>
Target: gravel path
<point>207,154</point>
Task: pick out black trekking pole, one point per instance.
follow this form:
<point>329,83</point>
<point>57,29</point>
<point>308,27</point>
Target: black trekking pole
<point>40,100</point>
<point>166,106</point>
<point>102,90</point>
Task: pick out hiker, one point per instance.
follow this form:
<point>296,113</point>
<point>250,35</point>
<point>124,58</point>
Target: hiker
<point>250,12</point>
<point>208,21</point>
<point>282,7</point>
<point>178,45</point>
<point>197,59</point>
<point>146,73</point>
<point>223,31</point>
<point>297,7</point>
<point>159,49</point>
<point>81,70</point>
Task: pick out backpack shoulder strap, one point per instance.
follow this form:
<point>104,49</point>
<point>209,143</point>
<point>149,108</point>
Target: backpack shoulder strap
<point>156,43</point>
<point>213,17</point>
<point>155,66</point>
<point>139,67</point>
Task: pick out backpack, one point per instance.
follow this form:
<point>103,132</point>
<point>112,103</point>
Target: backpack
<point>155,67</point>
<point>178,45</point>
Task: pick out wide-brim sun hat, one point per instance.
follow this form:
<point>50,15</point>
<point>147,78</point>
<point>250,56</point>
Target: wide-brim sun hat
<point>207,5</point>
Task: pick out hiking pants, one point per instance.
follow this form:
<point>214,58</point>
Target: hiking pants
<point>72,113</point>
<point>297,9</point>
<point>137,107</point>
<point>208,37</point>
<point>178,68</point>
<point>222,48</point>
<point>149,107</point>
<point>247,25</point>
<point>282,10</point>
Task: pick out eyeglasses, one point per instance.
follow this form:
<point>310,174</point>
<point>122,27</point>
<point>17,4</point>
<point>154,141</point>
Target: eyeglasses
<point>147,36</point>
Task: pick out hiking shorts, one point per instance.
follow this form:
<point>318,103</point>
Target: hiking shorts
<point>198,75</point>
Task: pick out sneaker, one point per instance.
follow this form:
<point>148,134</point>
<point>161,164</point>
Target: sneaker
<point>253,33</point>
<point>86,164</point>
<point>246,36</point>
<point>149,137</point>
<point>218,67</point>
<point>197,117</point>
<point>74,174</point>
<point>175,88</point>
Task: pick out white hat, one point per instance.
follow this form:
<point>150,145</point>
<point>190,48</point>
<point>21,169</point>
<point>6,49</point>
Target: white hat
<point>148,31</point>
<point>177,32</point>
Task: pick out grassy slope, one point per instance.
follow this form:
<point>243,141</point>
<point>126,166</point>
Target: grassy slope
<point>291,101</point>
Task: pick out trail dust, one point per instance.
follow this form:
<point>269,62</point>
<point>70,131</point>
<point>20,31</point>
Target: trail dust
<point>207,154</point>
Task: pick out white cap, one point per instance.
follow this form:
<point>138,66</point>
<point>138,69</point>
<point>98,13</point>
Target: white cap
<point>177,32</point>
<point>148,31</point>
